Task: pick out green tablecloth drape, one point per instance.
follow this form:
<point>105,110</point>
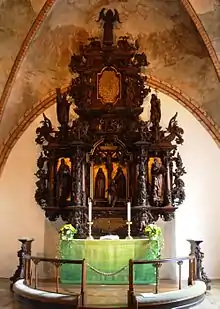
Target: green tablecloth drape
<point>107,257</point>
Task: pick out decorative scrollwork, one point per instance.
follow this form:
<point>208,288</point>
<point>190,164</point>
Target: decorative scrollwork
<point>140,60</point>
<point>79,130</point>
<point>44,132</point>
<point>41,194</point>
<point>175,132</point>
<point>144,130</point>
<point>178,186</point>
<point>110,125</point>
<point>166,216</point>
<point>142,218</point>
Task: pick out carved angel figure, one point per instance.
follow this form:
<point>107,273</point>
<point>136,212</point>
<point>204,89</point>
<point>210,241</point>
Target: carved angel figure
<point>175,131</point>
<point>109,18</point>
<point>44,132</point>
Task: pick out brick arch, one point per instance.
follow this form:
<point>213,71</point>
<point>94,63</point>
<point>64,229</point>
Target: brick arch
<point>43,15</point>
<point>153,82</point>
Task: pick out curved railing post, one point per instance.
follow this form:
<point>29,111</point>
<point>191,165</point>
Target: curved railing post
<point>157,266</point>
<point>36,261</point>
<point>199,274</point>
<point>27,269</point>
<point>25,250</point>
<point>57,263</point>
<point>130,284</point>
<point>180,263</point>
<point>191,277</point>
<point>83,282</point>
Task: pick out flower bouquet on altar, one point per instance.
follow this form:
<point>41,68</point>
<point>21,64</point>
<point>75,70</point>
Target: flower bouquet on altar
<point>153,232</point>
<point>67,232</point>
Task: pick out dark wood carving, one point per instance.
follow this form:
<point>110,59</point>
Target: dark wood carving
<point>200,273</point>
<point>26,245</point>
<point>108,153</point>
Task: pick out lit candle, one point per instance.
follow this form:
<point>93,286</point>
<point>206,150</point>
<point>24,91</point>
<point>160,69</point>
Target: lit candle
<point>90,210</point>
<point>129,211</point>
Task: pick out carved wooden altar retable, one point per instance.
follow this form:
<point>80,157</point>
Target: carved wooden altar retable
<point>108,153</point>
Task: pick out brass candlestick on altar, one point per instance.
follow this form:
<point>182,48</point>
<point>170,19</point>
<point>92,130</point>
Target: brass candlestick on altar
<point>90,223</point>
<point>129,230</point>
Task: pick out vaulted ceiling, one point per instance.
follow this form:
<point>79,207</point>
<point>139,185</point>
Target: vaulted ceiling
<point>180,37</point>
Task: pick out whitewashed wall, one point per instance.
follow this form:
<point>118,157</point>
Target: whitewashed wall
<point>197,217</point>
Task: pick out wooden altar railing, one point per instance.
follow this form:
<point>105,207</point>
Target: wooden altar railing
<point>157,264</point>
<point>31,277</point>
<point>33,282</point>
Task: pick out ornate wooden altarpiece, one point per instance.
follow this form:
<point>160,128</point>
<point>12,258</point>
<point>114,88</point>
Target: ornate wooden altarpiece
<point>108,153</point>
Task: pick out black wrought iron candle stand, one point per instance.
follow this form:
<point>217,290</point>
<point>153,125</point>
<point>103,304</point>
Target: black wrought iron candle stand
<point>25,250</point>
<point>200,274</point>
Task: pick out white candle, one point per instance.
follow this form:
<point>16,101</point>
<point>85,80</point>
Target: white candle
<point>128,211</point>
<point>90,210</point>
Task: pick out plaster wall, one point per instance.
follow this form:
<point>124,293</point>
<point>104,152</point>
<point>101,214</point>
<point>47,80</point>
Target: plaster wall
<point>20,216</point>
<point>196,218</point>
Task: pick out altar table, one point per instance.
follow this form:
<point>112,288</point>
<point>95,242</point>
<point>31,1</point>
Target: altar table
<point>106,257</point>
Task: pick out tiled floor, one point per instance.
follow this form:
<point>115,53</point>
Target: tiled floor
<point>98,296</point>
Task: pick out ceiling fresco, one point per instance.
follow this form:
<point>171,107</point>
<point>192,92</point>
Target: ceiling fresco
<point>165,31</point>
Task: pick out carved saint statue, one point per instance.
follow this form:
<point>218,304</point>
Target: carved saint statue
<point>63,183</point>
<point>100,184</point>
<point>120,182</point>
<point>157,173</point>
<point>155,111</point>
<point>63,108</point>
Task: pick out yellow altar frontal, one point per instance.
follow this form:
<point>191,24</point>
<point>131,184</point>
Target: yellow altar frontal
<point>107,260</point>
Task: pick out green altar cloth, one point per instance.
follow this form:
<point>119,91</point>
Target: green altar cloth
<point>107,260</point>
